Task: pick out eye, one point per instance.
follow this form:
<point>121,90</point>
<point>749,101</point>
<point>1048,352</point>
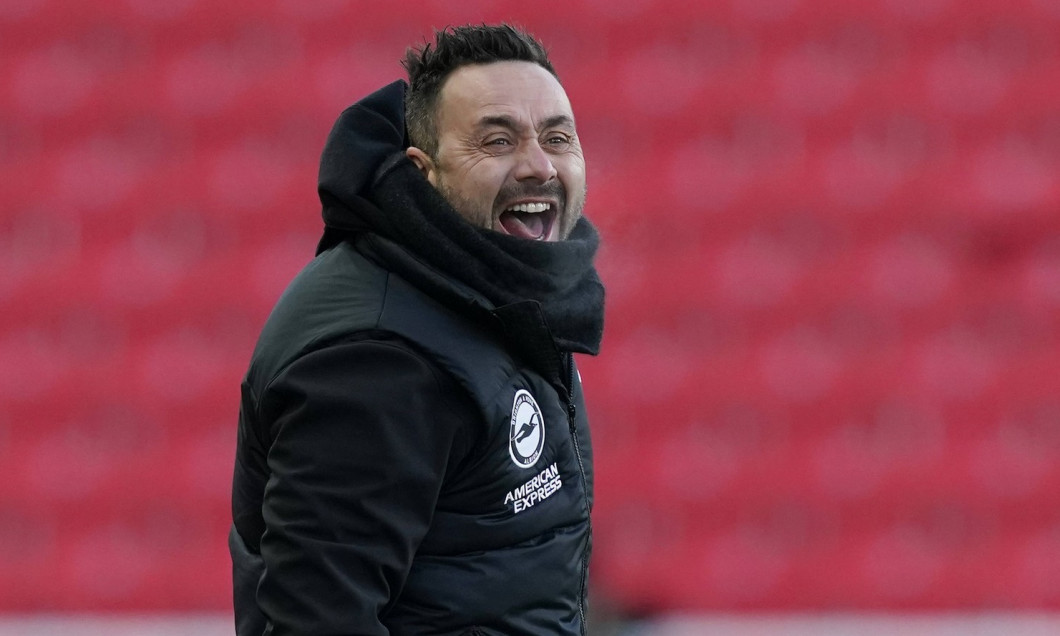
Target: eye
<point>558,139</point>
<point>498,141</point>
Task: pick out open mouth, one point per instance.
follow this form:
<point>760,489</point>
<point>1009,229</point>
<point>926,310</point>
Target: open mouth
<point>532,221</point>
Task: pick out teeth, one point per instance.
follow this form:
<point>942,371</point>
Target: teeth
<point>533,208</point>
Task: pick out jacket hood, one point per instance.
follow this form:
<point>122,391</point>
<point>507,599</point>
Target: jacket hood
<point>363,137</point>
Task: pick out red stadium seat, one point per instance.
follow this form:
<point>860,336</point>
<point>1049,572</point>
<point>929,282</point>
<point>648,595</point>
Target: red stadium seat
<point>830,240</point>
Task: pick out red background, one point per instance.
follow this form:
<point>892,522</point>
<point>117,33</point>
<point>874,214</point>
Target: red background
<point>830,378</point>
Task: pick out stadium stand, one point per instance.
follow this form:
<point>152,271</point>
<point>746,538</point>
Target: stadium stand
<point>831,375</point>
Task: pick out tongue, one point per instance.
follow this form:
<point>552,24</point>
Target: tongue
<point>523,224</point>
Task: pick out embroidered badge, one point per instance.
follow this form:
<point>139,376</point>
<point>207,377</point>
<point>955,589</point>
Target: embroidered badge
<point>527,437</point>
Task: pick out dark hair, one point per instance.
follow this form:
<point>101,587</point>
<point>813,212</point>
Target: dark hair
<point>454,47</point>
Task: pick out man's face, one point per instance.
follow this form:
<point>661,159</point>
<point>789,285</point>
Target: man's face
<point>508,155</point>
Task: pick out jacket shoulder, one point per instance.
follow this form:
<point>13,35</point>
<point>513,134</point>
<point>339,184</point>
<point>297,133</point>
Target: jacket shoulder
<point>343,294</point>
<point>339,293</point>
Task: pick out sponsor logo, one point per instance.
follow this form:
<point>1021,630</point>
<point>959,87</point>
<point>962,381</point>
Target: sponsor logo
<point>541,487</point>
<point>527,437</point>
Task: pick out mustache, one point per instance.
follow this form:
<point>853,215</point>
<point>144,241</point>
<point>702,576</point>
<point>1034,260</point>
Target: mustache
<point>522,190</point>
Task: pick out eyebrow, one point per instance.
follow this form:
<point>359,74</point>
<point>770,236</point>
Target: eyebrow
<point>505,121</point>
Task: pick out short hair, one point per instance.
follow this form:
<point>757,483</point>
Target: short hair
<point>454,47</point>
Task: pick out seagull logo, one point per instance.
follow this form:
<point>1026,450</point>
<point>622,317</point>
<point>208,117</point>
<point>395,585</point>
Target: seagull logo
<point>527,437</point>
<point>528,428</point>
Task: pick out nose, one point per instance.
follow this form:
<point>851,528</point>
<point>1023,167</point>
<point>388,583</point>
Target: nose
<point>535,163</point>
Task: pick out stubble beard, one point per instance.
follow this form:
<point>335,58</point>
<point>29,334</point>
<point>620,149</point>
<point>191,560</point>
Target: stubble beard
<point>466,208</point>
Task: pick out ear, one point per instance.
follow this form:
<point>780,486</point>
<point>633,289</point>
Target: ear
<point>424,162</point>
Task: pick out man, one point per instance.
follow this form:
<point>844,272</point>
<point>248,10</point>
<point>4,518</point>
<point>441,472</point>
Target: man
<point>413,452</point>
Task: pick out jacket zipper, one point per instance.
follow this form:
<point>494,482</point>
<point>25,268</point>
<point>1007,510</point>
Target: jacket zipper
<point>572,422</point>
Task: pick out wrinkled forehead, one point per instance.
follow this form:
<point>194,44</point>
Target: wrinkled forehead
<point>521,92</point>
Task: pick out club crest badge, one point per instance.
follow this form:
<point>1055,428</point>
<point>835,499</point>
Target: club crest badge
<point>527,437</point>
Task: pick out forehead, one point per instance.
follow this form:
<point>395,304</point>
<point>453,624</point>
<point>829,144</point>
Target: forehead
<point>522,91</point>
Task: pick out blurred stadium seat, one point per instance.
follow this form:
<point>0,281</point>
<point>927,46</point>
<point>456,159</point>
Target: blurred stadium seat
<point>831,373</point>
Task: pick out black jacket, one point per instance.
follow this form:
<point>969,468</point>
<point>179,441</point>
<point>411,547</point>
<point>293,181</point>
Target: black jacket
<point>413,458</point>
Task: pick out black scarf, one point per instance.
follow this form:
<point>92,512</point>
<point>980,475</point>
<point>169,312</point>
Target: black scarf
<point>406,209</point>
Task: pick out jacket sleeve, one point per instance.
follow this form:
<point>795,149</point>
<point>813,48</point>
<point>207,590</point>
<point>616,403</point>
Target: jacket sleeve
<point>361,437</point>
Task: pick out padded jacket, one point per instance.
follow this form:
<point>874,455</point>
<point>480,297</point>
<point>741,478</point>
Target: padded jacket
<point>411,459</point>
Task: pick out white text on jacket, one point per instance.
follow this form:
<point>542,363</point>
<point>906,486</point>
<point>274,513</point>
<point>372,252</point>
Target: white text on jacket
<point>541,487</point>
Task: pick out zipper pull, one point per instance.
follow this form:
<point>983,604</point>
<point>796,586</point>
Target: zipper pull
<point>572,408</point>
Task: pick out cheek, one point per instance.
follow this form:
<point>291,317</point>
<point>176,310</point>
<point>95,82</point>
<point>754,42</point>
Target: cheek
<point>572,173</point>
<point>486,181</point>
